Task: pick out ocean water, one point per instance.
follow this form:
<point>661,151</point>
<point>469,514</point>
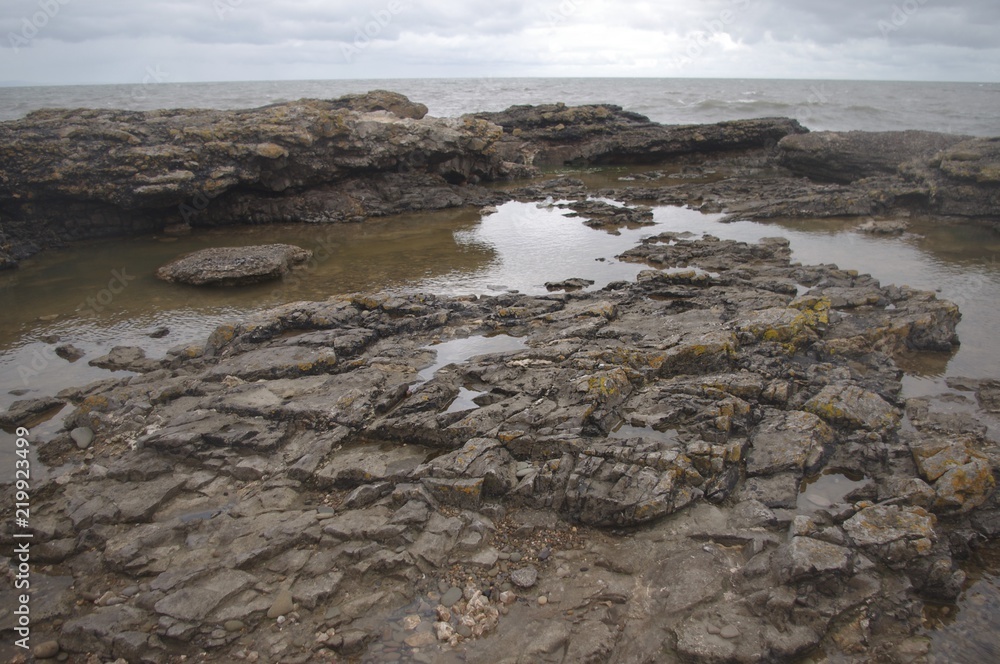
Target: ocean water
<point>959,108</point>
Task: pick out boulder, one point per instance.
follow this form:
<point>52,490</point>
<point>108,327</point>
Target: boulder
<point>24,410</point>
<point>849,156</point>
<point>382,100</point>
<point>894,533</point>
<point>854,407</point>
<point>607,134</point>
<point>234,266</point>
<point>788,441</point>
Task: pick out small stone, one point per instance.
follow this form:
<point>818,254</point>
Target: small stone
<point>281,605</point>
<point>544,554</point>
<point>69,352</point>
<point>543,600</point>
<point>46,650</point>
<point>729,632</point>
<point>105,599</point>
<point>525,577</point>
<point>451,597</point>
<point>421,639</point>
<point>516,557</point>
<point>410,623</point>
<point>234,625</point>
<point>464,631</point>
<point>444,631</point>
<point>82,436</point>
<point>507,597</point>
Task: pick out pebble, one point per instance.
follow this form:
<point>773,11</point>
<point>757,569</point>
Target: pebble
<point>421,639</point>
<point>451,597</point>
<point>69,352</point>
<point>82,436</point>
<point>410,623</point>
<point>444,631</point>
<point>516,557</point>
<point>234,625</point>
<point>543,600</point>
<point>464,630</point>
<point>544,553</point>
<point>282,604</point>
<point>105,599</point>
<point>525,577</point>
<point>729,632</point>
<point>46,649</point>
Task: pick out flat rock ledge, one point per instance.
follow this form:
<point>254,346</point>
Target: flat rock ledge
<point>621,487</point>
<point>234,266</point>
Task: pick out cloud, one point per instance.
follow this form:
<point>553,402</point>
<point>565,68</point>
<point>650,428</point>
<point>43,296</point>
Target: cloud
<point>84,41</point>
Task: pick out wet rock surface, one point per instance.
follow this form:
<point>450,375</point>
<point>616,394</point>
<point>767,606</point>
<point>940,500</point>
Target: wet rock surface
<point>234,266</point>
<point>623,489</point>
<point>99,173</point>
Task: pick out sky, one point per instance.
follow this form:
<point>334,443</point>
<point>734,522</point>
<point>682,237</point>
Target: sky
<point>141,41</point>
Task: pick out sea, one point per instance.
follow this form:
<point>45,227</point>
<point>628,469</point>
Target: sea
<point>820,105</point>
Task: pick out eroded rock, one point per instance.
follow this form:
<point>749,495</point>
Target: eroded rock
<point>234,266</point>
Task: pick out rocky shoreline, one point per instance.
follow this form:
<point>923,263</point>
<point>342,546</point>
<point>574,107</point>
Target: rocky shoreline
<point>616,475</point>
<point>77,174</point>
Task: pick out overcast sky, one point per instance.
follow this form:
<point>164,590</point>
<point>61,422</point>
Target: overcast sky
<point>132,41</point>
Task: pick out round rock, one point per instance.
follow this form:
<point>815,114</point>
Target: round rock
<point>729,632</point>
<point>46,650</point>
<point>82,436</point>
<point>234,266</point>
<point>524,577</point>
<point>281,605</point>
<point>451,597</point>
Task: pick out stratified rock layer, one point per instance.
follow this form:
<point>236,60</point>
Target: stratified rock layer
<point>296,461</point>
<point>234,266</point>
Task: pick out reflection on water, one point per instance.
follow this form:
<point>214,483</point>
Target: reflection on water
<point>98,294</point>
<point>459,350</point>
<point>966,631</point>
<point>959,263</point>
<point>825,490</point>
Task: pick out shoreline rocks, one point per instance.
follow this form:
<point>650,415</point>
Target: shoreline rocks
<point>274,481</point>
<point>77,174</point>
<point>234,266</point>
